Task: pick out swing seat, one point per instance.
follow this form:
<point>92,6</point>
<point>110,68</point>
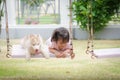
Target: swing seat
<point>107,53</point>
<point>18,52</point>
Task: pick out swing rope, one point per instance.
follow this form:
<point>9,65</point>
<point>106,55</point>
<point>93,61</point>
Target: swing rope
<point>70,27</point>
<point>7,32</point>
<point>90,46</point>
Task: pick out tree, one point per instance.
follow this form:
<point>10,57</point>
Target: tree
<point>100,11</point>
<point>92,15</point>
<point>1,12</point>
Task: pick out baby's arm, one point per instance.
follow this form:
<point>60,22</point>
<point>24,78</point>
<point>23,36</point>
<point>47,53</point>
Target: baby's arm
<point>69,52</point>
<point>56,52</point>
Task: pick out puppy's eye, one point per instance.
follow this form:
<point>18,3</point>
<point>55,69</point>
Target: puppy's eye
<point>33,44</point>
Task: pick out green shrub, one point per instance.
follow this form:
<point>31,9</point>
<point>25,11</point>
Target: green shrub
<point>100,11</point>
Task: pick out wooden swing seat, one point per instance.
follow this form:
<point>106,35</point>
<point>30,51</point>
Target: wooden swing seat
<point>107,53</point>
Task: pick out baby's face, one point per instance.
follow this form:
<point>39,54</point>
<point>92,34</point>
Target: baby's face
<point>61,44</point>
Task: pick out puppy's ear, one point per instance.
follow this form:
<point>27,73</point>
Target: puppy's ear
<point>31,35</point>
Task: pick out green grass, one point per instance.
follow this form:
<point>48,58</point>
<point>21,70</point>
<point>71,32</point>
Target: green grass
<point>80,68</point>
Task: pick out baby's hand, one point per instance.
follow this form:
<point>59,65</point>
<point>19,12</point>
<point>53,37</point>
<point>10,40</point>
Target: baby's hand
<point>67,51</point>
<point>58,55</point>
<point>63,55</point>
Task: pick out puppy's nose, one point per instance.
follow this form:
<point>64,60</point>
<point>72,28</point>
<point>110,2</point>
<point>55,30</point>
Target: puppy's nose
<point>36,50</point>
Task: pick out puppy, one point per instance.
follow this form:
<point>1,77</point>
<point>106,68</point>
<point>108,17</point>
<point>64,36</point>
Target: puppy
<point>33,45</point>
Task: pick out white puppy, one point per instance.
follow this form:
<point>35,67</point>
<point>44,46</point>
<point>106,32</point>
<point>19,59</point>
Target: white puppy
<point>33,44</point>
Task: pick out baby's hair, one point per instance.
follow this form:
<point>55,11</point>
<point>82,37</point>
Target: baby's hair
<point>60,33</point>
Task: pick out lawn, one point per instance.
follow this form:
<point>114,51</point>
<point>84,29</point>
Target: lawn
<point>80,68</point>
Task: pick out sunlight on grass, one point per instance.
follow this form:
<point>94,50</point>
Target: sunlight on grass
<point>80,68</point>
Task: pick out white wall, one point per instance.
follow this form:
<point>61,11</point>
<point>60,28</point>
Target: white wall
<point>11,12</point>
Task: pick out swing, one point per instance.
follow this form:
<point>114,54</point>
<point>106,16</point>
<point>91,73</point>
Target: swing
<point>107,53</point>
<point>98,53</point>
<point>16,51</point>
